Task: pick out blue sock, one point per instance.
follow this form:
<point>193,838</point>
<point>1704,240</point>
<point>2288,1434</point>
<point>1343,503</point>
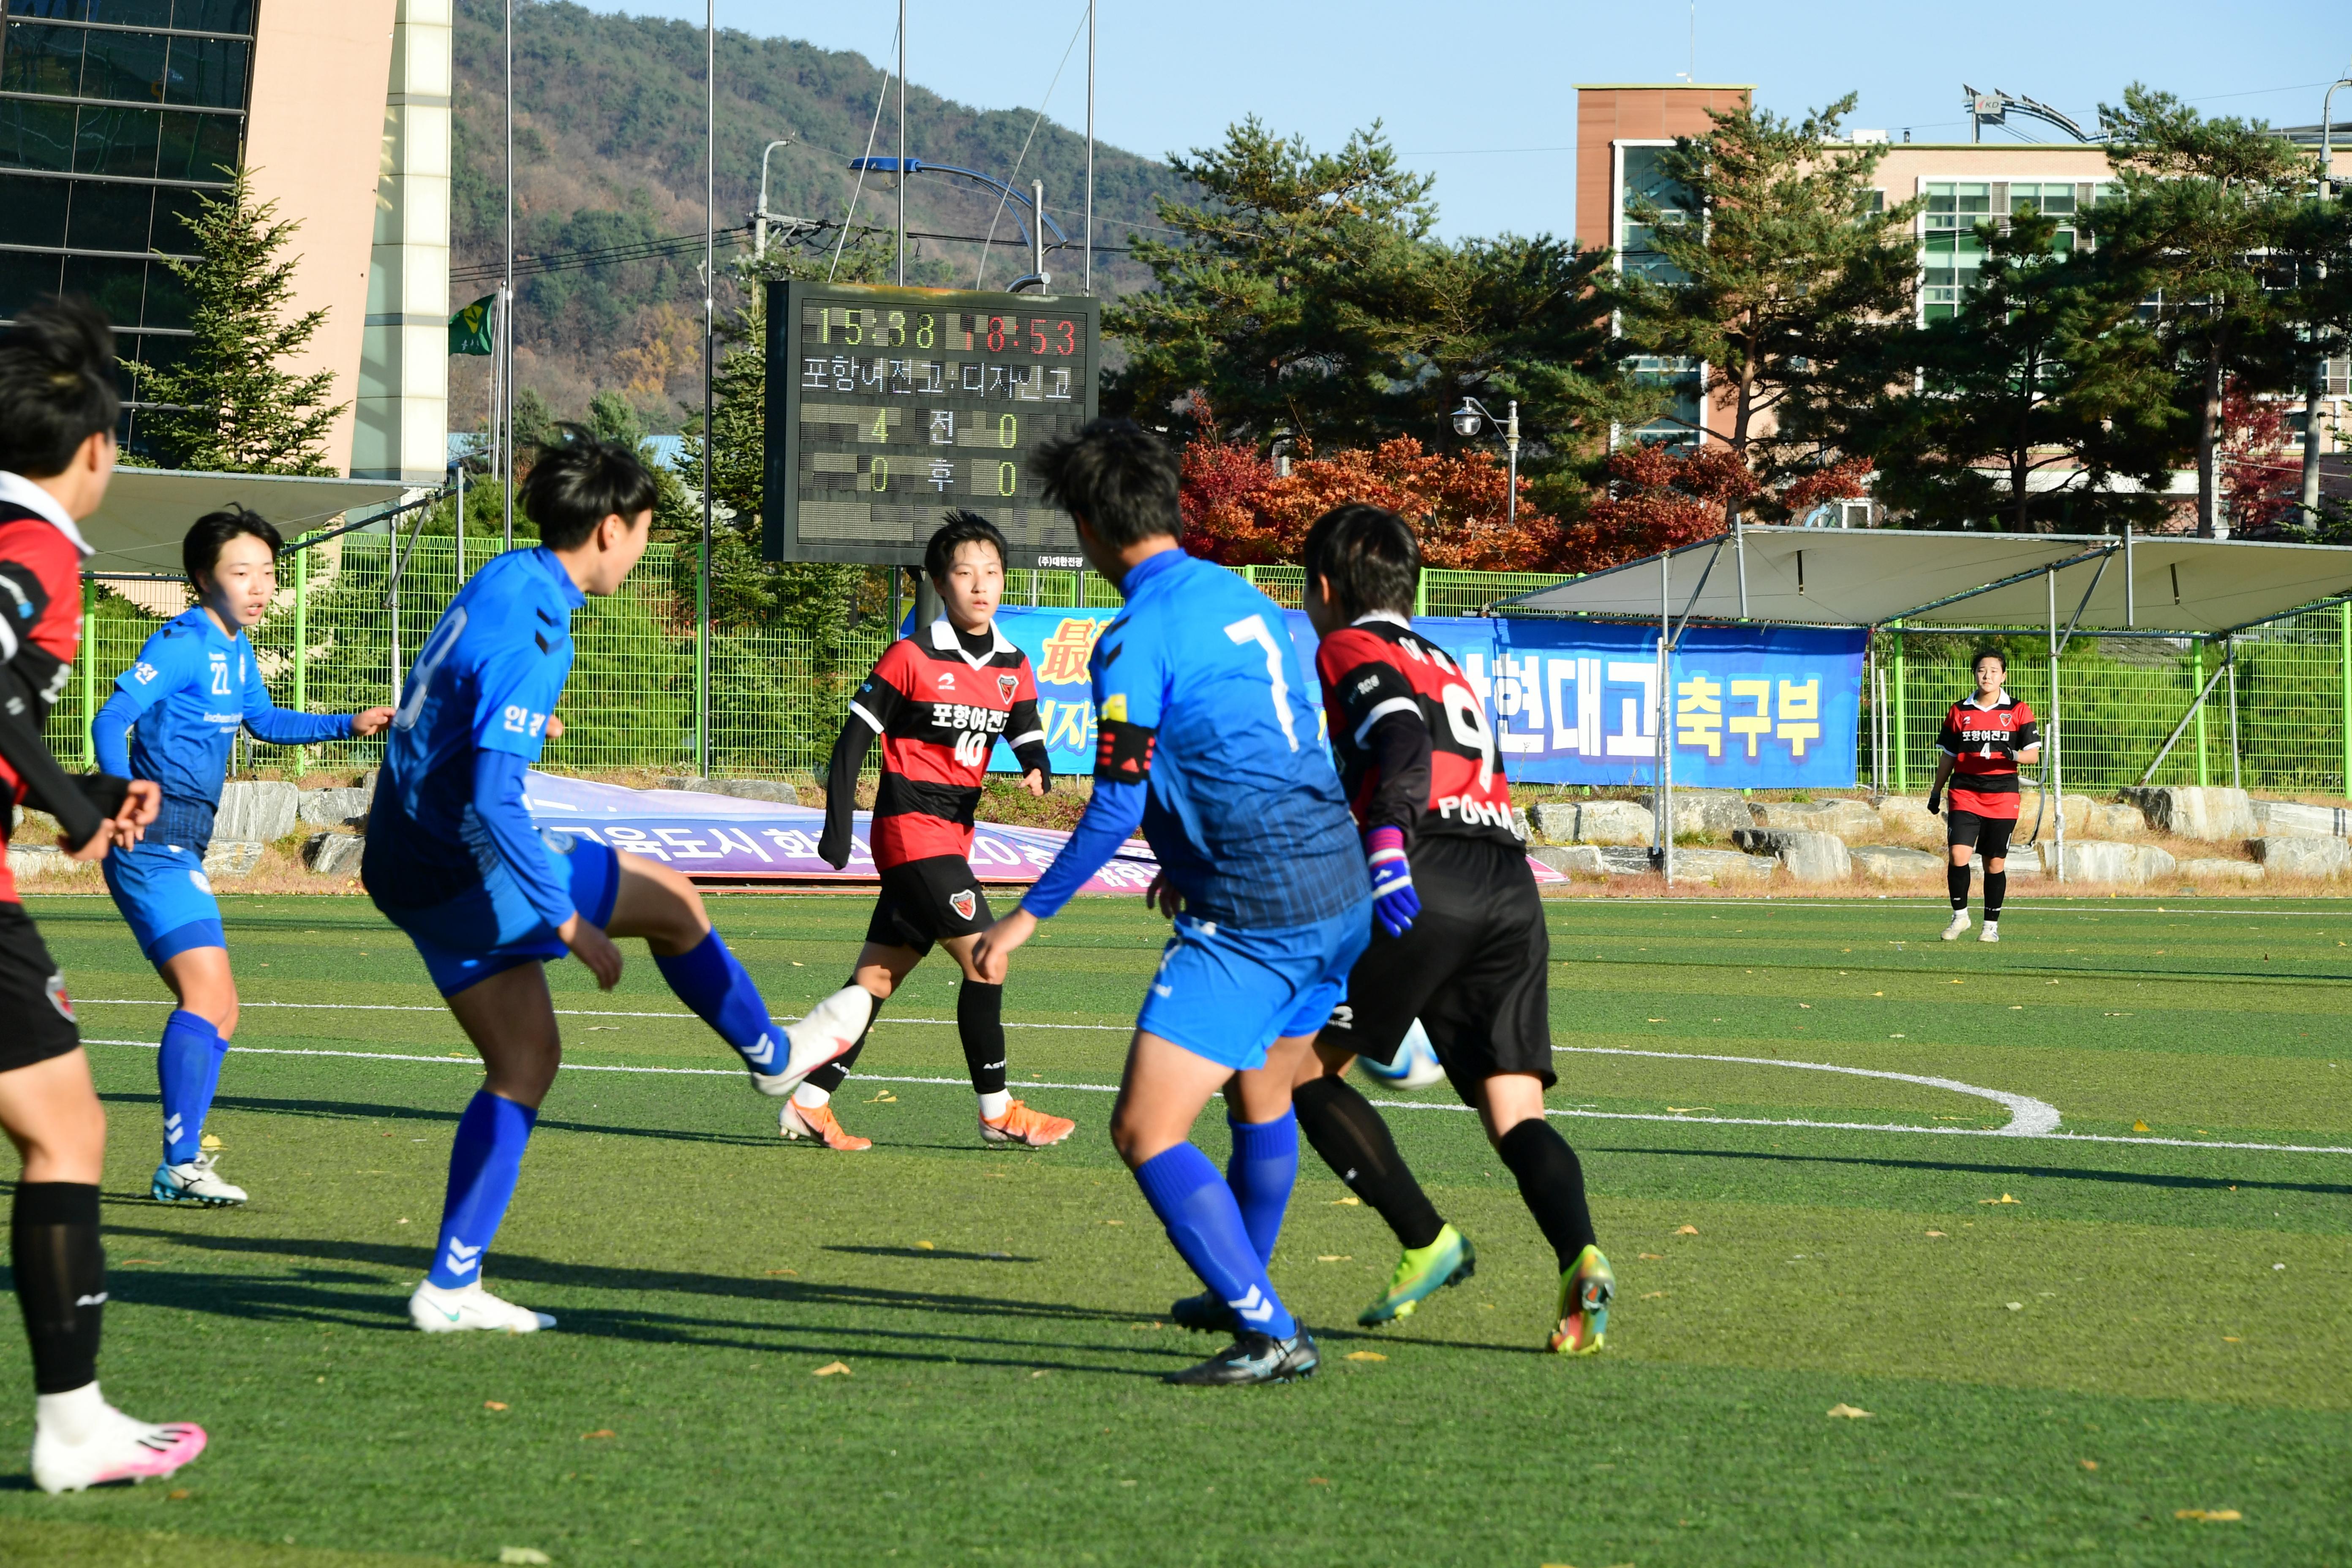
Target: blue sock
<point>188,1068</point>
<point>1262,1170</point>
<point>707,978</point>
<point>484,1160</point>
<point>1205,1225</point>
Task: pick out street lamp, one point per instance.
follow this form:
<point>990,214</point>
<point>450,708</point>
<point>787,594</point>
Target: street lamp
<point>760,217</point>
<point>1471,417</point>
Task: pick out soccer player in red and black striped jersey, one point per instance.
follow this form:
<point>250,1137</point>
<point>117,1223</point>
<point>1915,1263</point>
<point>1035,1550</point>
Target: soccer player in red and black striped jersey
<point>939,702</point>
<point>1458,937</point>
<point>1986,736</point>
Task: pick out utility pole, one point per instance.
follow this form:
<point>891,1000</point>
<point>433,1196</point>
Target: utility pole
<point>2316,393</point>
<point>710,331</point>
<point>902,143</point>
<point>505,413</point>
<point>1089,266</point>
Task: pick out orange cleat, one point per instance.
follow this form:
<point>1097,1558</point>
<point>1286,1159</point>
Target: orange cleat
<point>1019,1124</point>
<point>798,1121</point>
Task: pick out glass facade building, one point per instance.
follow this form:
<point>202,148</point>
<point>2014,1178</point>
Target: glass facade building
<point>114,116</point>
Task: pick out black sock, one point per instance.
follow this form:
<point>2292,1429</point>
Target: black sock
<point>1552,1183</point>
<point>61,1280</point>
<point>1355,1143</point>
<point>1996,889</point>
<point>1955,878</point>
<point>979,1024</point>
<point>828,1077</point>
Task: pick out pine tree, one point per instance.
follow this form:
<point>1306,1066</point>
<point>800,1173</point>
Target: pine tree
<point>227,406</point>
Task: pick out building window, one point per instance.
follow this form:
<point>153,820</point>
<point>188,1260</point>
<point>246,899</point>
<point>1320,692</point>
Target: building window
<point>1950,252</point>
<point>1646,183</point>
<point>115,115</point>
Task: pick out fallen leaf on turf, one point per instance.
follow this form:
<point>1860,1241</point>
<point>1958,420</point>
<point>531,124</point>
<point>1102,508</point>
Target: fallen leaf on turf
<point>885,1098</point>
<point>2231,1340</point>
<point>1652,1256</point>
<point>2090,1463</point>
<point>1935,1233</point>
<point>1657,1020</point>
<point>178,1494</point>
<point>1366,1355</point>
<point>1041,1372</point>
<point>1849,1413</point>
<point>209,1142</point>
<point>832,1369</point>
<point>793,1272</point>
<point>523,1554</point>
<point>926,1246</point>
<point>1651,1294</point>
<point>1318,1482</point>
<point>1808,1006</point>
<point>1335,1258</point>
<point>2017,1306</point>
<point>1346,1202</point>
<point>1687,1230</point>
<point>600,1432</point>
<point>2209,1515</point>
<point>2139,1126</point>
<point>493,1405</point>
<point>1114,1222</point>
<point>2004,1198</point>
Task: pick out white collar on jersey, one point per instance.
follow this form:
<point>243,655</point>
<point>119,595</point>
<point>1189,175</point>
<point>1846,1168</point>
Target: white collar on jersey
<point>1970,700</point>
<point>944,639</point>
<point>15,489</point>
<point>1389,616</point>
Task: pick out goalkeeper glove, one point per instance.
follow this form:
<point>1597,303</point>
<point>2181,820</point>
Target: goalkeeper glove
<point>1394,903</point>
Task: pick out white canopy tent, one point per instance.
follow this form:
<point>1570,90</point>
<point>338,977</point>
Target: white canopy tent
<point>2064,583</point>
<point>148,511</point>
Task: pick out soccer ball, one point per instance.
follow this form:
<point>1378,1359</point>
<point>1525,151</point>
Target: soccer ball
<point>1415,1066</point>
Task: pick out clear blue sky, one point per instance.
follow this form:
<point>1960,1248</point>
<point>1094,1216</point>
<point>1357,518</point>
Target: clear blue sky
<point>1454,81</point>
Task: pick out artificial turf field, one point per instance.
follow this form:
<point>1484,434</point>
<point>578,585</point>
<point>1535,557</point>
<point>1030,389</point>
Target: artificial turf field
<point>2149,1327</point>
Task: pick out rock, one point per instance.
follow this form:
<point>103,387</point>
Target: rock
<point>2293,817</point>
<point>1619,861</point>
<point>1846,819</point>
<point>1573,859</point>
<point>256,811</point>
<point>334,854</point>
<point>2106,819</point>
<point>775,790</point>
<point>1716,813</point>
<point>2082,815</point>
<point>1518,822</point>
<point>1619,822</point>
<point>31,861</point>
<point>2104,860</point>
<point>1811,857</point>
<point>2216,870</point>
<point>229,858</point>
<point>334,808</point>
<point>2217,816</point>
<point>1892,863</point>
<point>1907,818</point>
<point>2303,854</point>
<point>1722,866</point>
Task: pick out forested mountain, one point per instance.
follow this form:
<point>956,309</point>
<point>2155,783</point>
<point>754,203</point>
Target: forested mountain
<point>609,151</point>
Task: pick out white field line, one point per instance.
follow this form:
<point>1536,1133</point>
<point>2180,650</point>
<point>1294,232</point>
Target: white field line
<point>2027,1117</point>
<point>1398,1104</point>
<point>560,1012</point>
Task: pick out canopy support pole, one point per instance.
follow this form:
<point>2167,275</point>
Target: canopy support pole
<point>2196,706</point>
<point>2131,593</point>
<point>1664,814</point>
<point>2057,771</point>
<point>1740,560</point>
<point>2230,664</point>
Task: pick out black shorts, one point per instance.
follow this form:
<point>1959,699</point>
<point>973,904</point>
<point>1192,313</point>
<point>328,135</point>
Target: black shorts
<point>1989,835</point>
<point>928,900</point>
<point>32,996</point>
<point>1471,968</point>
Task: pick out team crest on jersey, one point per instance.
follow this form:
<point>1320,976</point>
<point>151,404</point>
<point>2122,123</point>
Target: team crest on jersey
<point>1006,685</point>
<point>963,903</point>
<point>55,990</point>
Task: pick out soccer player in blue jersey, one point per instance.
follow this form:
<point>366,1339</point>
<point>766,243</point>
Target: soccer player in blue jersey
<point>453,860</point>
<point>195,684</point>
<point>1206,738</point>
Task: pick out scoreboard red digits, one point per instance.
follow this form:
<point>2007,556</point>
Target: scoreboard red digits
<point>888,406</point>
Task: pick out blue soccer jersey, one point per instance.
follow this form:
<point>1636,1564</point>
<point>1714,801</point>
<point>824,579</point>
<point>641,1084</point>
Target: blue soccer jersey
<point>485,682</point>
<point>1201,697</point>
<point>194,687</point>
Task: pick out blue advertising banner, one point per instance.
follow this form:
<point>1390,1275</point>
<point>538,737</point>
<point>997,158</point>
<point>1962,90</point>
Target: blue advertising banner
<point>1569,701</point>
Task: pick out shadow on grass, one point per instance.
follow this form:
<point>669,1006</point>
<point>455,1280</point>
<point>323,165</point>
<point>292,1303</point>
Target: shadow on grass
<point>1962,1167</point>
<point>928,1253</point>
<point>344,1111</point>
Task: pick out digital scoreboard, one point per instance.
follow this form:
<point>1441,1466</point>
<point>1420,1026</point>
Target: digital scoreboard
<point>888,406</point>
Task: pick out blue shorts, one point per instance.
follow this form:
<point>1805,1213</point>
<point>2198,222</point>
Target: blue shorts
<point>1227,994</point>
<point>163,893</point>
<point>493,928</point>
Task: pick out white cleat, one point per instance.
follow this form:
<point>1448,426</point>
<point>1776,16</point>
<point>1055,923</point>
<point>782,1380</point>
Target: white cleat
<point>1991,932</point>
<point>831,1031</point>
<point>113,1448</point>
<point>195,1182</point>
<point>439,1311</point>
<point>1958,927</point>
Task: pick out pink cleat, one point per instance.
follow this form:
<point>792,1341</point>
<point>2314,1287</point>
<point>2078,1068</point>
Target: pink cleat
<point>112,1446</point>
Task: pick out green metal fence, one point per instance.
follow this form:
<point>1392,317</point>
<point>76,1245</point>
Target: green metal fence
<point>777,698</point>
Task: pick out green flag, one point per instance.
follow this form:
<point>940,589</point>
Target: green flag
<point>470,329</point>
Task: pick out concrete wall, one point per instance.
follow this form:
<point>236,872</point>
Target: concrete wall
<point>404,366</point>
<point>312,143</point>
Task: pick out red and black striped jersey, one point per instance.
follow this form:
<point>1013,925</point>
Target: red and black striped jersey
<point>938,707</point>
<point>1983,744</point>
<point>40,630</point>
<point>1415,750</point>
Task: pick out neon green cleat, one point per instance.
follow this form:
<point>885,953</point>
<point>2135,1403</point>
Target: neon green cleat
<point>1422,1273</point>
<point>1585,1292</point>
